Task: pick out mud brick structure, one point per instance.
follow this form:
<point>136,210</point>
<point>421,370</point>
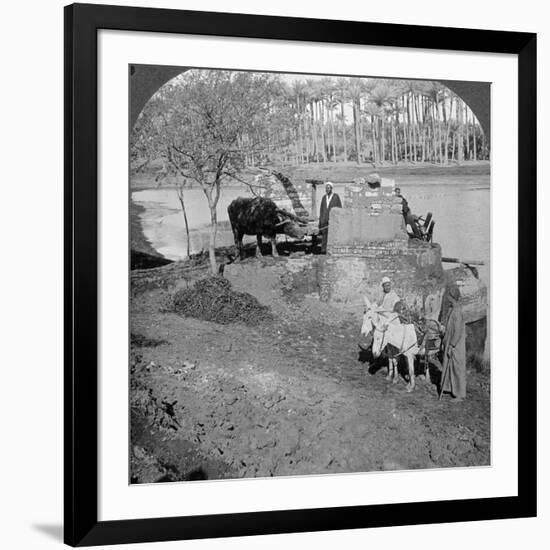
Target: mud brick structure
<point>273,279</point>
<point>367,241</point>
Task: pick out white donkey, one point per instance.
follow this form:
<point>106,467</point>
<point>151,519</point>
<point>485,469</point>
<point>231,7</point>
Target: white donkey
<point>387,329</point>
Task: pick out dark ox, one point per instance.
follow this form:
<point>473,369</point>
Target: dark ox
<point>260,217</point>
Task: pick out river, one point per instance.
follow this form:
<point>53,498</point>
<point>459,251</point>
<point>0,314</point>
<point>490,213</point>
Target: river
<point>460,207</point>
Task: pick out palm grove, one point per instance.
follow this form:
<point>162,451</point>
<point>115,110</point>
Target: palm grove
<point>210,127</point>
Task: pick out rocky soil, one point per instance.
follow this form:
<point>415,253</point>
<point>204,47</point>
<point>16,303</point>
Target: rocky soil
<point>291,396</point>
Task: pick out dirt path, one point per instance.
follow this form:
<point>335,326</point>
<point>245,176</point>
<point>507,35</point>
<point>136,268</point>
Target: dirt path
<point>290,398</point>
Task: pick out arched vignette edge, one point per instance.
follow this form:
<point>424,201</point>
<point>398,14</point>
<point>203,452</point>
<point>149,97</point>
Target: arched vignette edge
<point>81,24</point>
<point>145,80</point>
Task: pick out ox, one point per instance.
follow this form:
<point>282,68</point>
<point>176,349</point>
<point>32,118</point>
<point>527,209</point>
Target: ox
<point>261,217</point>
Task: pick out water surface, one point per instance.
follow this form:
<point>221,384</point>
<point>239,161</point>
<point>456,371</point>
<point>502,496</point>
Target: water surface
<point>460,207</point>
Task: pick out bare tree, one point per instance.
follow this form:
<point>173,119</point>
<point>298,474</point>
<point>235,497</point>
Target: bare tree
<point>204,124</point>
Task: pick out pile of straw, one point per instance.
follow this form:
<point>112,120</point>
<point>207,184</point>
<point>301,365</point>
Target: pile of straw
<point>213,299</point>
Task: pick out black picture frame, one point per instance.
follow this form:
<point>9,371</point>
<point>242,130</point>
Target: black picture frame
<point>81,25</point>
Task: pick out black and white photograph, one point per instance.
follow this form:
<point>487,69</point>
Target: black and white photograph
<point>274,275</point>
<point>309,267</point>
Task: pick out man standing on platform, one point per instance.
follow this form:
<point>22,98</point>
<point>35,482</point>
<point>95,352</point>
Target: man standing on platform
<point>329,201</point>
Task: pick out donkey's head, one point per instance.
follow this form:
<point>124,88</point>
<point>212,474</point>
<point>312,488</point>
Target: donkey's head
<point>368,315</point>
<point>374,323</point>
<point>378,336</point>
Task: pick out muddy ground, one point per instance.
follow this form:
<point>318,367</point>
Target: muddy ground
<point>291,396</point>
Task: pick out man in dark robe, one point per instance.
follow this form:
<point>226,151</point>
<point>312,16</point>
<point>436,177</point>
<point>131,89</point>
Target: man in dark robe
<point>453,377</point>
<point>329,201</point>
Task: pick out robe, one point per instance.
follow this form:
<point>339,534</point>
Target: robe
<point>388,301</point>
<point>453,378</point>
<point>324,214</point>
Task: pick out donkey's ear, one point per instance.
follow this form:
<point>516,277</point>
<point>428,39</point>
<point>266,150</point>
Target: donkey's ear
<point>367,302</point>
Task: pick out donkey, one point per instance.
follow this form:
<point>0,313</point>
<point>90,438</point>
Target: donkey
<point>387,329</point>
<point>370,313</point>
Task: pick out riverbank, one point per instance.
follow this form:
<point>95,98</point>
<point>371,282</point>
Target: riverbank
<point>342,171</point>
<point>138,241</point>
<point>346,172</point>
<point>458,197</point>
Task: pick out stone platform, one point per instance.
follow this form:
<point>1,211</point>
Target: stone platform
<point>367,241</point>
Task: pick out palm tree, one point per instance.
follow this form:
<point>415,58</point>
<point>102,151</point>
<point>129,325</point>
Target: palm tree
<point>447,121</point>
<point>355,91</point>
<point>298,90</point>
<point>467,128</point>
<point>399,120</point>
<point>474,136</point>
<point>433,94</point>
<point>413,89</point>
<point>312,99</point>
<point>382,96</point>
<point>320,106</point>
<point>342,98</point>
<point>460,130</point>
<point>328,88</point>
<point>373,112</point>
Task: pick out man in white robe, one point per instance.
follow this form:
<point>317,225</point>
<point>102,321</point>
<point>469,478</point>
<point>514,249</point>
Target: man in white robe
<point>389,297</point>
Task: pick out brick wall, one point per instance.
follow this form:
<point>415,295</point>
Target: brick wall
<point>416,273</point>
<point>360,227</point>
<point>367,216</point>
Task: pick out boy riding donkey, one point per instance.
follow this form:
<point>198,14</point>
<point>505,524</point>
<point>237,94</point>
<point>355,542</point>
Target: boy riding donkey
<point>418,337</point>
